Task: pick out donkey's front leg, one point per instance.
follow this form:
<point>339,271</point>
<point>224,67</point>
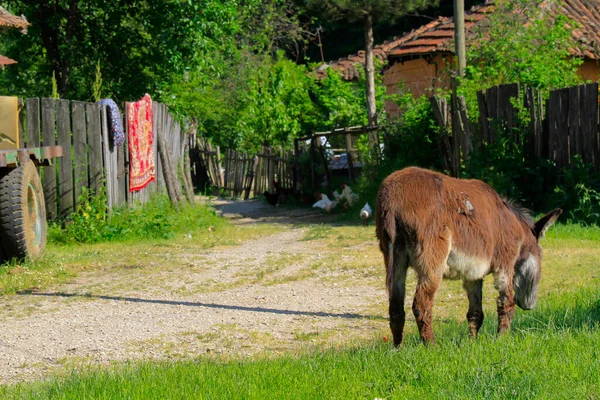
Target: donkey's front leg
<point>475,313</point>
<point>506,308</point>
<point>423,305</point>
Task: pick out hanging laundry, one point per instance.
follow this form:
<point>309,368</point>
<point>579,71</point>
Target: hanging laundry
<point>115,121</point>
<point>140,134</point>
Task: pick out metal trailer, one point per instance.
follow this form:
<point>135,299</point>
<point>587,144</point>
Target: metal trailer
<point>22,207</point>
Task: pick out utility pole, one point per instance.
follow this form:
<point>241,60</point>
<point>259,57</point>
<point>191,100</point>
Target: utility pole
<point>459,37</point>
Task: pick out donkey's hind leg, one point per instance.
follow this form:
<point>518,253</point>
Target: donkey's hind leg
<point>397,295</point>
<point>430,265</point>
<point>475,313</point>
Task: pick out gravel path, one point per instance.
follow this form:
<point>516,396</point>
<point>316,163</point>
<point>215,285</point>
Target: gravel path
<point>73,325</point>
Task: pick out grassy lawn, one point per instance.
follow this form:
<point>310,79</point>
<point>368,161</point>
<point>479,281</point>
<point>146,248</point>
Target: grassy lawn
<point>551,352</point>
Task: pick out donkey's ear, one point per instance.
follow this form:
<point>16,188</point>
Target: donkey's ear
<point>542,225</point>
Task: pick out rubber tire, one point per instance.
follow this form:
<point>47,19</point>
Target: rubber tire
<point>22,213</point>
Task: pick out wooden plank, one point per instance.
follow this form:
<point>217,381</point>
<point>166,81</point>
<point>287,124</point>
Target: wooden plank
<point>552,109</point>
<point>591,93</point>
<point>121,172</point>
<point>121,175</point>
<point>574,142</point>
<point>161,186</point>
<point>586,128</point>
<point>94,135</point>
<point>33,122</point>
<point>65,163</point>
<point>80,162</point>
<point>508,114</point>
<point>106,158</point>
<point>483,119</point>
<point>563,137</point>
<point>491,98</point>
<point>49,139</point>
<point>22,115</point>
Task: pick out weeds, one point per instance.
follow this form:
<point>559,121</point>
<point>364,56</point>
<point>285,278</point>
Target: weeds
<point>156,219</point>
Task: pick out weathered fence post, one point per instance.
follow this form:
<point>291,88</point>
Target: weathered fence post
<point>349,156</point>
<point>48,133</point>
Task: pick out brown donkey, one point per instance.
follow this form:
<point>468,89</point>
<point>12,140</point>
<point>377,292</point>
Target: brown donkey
<point>456,229</point>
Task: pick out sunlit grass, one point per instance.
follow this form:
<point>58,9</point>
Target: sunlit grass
<point>554,352</point>
<point>550,352</point>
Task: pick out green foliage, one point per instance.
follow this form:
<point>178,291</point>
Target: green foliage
<point>156,219</point>
<point>579,194</point>
<point>54,94</point>
<point>147,43</point>
<point>97,85</point>
<point>355,10</point>
<point>410,140</point>
<point>87,223</point>
<point>520,42</point>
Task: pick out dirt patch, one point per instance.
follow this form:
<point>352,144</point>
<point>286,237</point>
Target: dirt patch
<point>261,298</point>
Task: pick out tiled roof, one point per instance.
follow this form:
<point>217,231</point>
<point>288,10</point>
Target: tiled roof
<point>8,20</point>
<point>6,61</point>
<point>348,65</point>
<point>437,36</point>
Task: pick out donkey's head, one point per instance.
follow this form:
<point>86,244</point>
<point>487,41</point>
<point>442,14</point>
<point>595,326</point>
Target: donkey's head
<point>528,267</point>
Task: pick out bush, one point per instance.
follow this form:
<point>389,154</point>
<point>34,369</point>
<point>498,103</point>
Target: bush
<point>579,194</point>
<point>157,219</point>
<point>410,140</point>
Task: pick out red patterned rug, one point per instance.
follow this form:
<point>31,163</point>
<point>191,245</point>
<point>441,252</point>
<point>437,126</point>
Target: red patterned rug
<point>142,168</point>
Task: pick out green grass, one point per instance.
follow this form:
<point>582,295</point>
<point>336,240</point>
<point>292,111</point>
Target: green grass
<point>552,353</point>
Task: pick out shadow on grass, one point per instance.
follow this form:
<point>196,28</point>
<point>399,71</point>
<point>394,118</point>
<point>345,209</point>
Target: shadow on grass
<point>207,305</point>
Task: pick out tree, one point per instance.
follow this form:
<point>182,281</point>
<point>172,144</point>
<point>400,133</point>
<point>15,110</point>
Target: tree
<point>521,41</point>
<point>366,12</point>
<point>140,44</point>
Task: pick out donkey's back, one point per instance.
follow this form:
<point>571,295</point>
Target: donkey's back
<point>457,229</point>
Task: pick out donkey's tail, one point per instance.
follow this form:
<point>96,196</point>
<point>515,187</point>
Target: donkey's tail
<point>385,222</point>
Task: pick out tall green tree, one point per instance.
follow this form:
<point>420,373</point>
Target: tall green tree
<point>140,44</point>
<point>366,12</point>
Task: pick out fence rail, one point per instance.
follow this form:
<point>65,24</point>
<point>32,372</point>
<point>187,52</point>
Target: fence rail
<point>240,173</point>
<point>90,160</point>
<point>561,128</point>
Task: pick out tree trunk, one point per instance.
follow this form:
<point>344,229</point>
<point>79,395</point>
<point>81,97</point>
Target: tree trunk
<point>459,37</point>
<point>370,71</point>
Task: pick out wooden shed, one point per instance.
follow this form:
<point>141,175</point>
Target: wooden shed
<point>420,58</point>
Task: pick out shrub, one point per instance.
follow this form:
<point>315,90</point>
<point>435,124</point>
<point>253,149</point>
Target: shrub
<point>157,219</point>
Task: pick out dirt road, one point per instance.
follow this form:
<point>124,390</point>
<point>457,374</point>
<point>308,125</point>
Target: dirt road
<point>267,296</point>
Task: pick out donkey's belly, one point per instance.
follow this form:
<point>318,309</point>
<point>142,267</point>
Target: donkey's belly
<point>464,266</point>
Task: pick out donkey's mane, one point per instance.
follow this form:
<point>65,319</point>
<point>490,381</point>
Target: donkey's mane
<point>524,214</point>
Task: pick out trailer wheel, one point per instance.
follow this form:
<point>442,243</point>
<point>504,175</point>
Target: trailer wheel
<point>22,213</point>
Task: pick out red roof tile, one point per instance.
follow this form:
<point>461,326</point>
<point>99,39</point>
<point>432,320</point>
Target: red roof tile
<point>438,35</point>
<point>10,21</point>
<point>6,61</point>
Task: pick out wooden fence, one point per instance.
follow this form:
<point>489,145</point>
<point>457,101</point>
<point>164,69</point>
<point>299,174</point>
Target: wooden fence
<point>559,129</point>
<point>323,152</point>
<point>89,158</point>
<point>240,173</point>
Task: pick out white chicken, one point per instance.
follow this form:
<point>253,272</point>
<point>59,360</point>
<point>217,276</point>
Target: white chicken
<point>325,203</point>
<point>365,214</point>
<point>349,195</point>
<point>337,196</point>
